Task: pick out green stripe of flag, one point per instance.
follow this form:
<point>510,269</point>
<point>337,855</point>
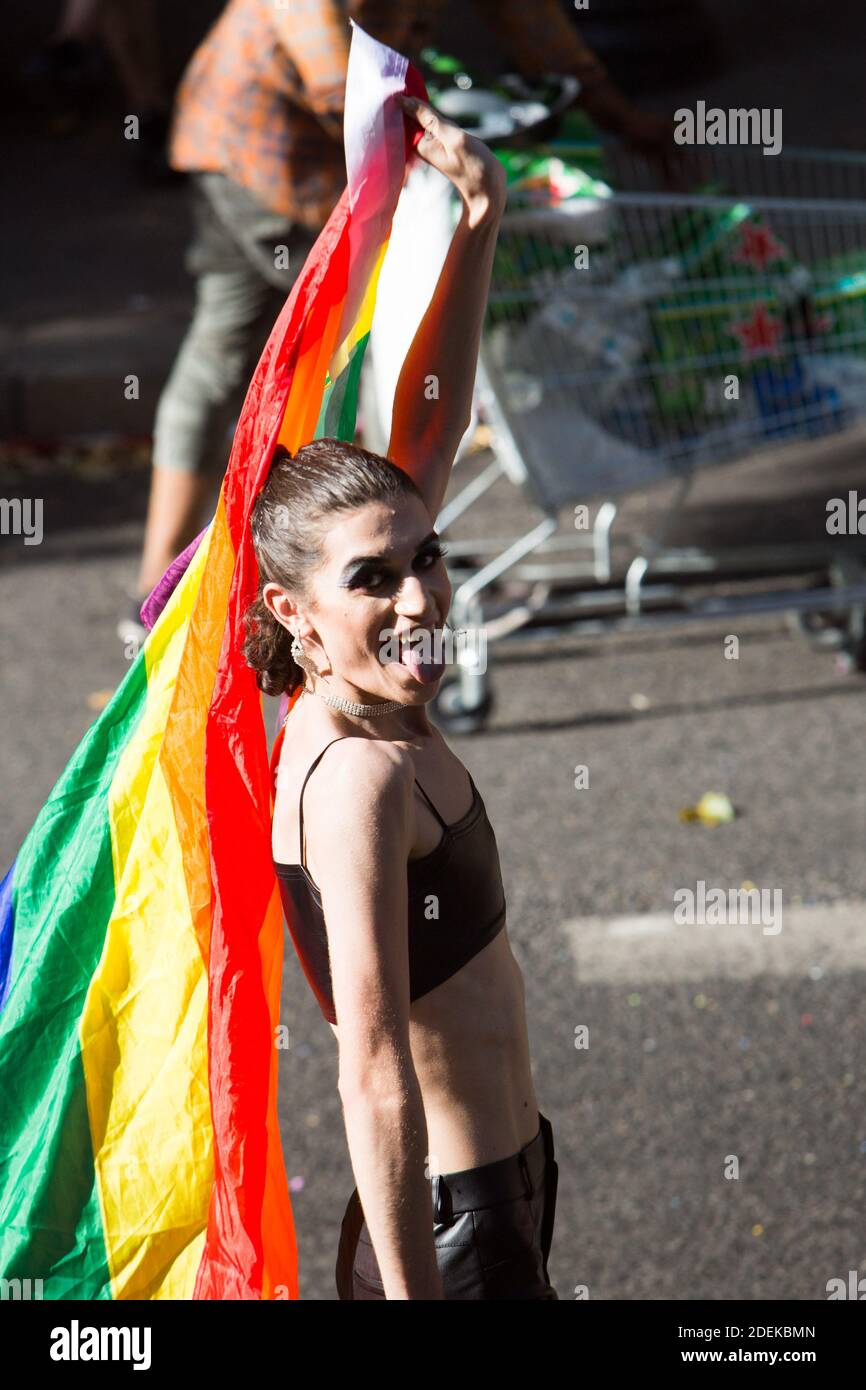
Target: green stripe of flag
<point>340,401</point>
<point>50,1221</point>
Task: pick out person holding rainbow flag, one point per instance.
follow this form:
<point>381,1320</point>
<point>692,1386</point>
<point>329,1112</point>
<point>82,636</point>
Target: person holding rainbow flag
<point>141,923</point>
<point>386,857</point>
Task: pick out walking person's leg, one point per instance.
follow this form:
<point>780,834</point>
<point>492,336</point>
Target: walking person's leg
<point>196,408</point>
<point>130,32</point>
<point>243,276</point>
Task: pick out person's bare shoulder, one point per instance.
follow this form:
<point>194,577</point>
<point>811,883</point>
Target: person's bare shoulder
<point>358,847</point>
<point>360,796</point>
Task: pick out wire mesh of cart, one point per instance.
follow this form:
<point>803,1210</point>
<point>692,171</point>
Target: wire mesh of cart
<point>636,336</point>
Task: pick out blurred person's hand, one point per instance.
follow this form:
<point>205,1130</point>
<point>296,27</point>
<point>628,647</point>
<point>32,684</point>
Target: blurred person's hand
<point>466,161</point>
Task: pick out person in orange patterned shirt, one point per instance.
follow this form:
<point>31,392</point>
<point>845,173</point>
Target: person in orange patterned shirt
<point>258,126</point>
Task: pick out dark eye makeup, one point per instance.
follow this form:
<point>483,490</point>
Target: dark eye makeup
<point>373,574</point>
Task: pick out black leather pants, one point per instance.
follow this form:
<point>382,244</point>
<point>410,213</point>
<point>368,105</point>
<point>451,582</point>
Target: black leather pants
<point>492,1227</point>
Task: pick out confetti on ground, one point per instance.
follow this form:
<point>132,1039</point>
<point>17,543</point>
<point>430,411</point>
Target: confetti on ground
<point>98,699</point>
<point>714,808</point>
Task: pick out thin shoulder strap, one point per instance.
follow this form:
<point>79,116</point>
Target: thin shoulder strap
<point>314,764</point>
<point>310,769</point>
<point>430,804</point>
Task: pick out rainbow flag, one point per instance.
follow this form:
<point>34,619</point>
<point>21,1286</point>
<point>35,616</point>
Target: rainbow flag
<point>141,935</point>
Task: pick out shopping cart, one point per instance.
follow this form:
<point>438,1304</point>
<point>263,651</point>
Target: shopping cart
<point>635,336</point>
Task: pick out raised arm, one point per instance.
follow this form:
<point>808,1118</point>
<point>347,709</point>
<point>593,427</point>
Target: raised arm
<point>427,426</point>
<point>359,835</point>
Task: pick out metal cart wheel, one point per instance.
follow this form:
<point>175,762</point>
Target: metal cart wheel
<point>822,630</point>
<point>837,629</point>
<point>451,713</point>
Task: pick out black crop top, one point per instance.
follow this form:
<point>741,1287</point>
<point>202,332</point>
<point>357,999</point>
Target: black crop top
<point>462,872</point>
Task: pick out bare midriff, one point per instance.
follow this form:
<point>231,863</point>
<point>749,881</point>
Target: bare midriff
<point>470,1050</point>
<point>468,1036</point>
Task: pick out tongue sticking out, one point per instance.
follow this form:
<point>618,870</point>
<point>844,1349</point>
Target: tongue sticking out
<point>424,671</point>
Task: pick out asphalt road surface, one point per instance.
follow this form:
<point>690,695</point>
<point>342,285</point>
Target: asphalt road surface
<point>705,1043</point>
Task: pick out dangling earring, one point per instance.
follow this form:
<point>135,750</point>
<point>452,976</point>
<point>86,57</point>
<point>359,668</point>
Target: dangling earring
<point>301,656</point>
<point>337,701</point>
